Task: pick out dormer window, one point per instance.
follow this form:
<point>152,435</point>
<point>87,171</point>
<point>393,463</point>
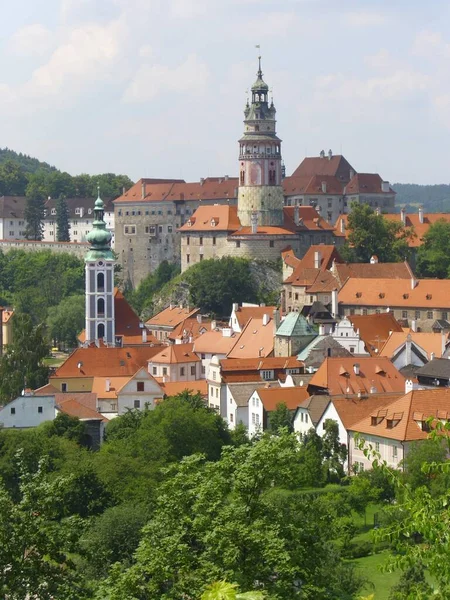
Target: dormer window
<point>213,223</point>
<point>405,296</point>
<point>78,211</point>
<point>429,296</point>
<point>53,211</point>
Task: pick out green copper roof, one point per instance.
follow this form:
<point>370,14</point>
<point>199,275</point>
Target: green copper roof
<point>99,238</point>
<point>294,325</point>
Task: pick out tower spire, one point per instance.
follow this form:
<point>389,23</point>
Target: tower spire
<point>260,74</point>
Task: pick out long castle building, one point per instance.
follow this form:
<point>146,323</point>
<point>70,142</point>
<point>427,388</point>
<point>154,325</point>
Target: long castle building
<point>256,215</point>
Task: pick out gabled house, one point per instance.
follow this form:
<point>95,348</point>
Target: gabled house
<point>256,339</point>
<point>392,428</point>
<point>349,337</point>
<point>165,322</point>
<point>139,391</point>
<point>214,343</point>
<point>407,349</point>
<point>435,373</point>
<point>177,362</point>
<point>293,334</point>
<point>309,412</point>
<point>241,315</point>
<point>375,329</point>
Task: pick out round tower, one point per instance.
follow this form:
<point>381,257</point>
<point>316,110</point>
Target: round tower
<point>99,281</point>
<point>260,164</point>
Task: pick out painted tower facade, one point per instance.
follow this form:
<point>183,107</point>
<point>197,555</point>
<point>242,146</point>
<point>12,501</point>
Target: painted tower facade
<point>99,281</point>
<point>260,164</point>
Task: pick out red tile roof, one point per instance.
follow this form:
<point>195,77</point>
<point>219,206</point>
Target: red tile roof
<point>190,328</point>
<point>401,420</point>
<point>256,340</point>
<point>400,270</point>
<point>366,183</point>
<point>245,313</point>
<point>176,354</point>
<point>374,329</point>
<point>292,397</point>
<point>336,166</point>
<point>105,362</point>
<point>171,316</point>
<point>337,375</point>
<point>214,342</point>
<point>172,388</point>
<point>75,409</point>
<point>352,410</point>
<point>213,218</point>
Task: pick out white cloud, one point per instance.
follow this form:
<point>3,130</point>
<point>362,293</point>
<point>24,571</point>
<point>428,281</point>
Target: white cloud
<point>364,19</point>
<point>150,80</point>
<point>380,60</point>
<point>146,51</point>
<point>187,9</point>
<point>31,40</point>
<point>84,57</point>
<point>270,24</point>
<point>430,44</point>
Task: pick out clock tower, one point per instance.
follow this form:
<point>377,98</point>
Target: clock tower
<point>260,165</point>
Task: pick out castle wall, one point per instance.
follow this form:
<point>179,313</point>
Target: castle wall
<point>267,201</point>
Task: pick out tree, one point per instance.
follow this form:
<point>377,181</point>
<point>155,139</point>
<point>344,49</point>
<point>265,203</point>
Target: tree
<point>221,590</point>
<point>430,451</point>
<point>34,213</point>
<point>66,320</point>
<point>215,284</point>
<point>433,256</point>
<point>412,584</point>
<point>141,297</point>
<point>62,220</point>
<point>13,179</point>
<point>281,418</point>
<point>21,366</point>
<point>371,234</point>
<point>33,551</point>
<point>236,520</point>
<point>334,452</point>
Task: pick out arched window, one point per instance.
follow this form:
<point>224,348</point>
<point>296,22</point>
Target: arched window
<point>242,177</point>
<point>100,282</point>
<point>100,306</point>
<point>100,331</point>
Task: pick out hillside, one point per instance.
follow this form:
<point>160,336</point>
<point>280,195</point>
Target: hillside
<point>434,198</point>
<point>27,163</point>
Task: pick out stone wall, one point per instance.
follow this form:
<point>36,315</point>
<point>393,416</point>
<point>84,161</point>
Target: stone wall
<point>268,201</point>
<point>78,250</point>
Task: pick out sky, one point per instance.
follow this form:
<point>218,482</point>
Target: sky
<point>156,88</point>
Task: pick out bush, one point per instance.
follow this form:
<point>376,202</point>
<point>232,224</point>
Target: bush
<point>357,549</point>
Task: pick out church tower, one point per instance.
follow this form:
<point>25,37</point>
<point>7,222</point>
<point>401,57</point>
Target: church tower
<point>99,281</point>
<point>260,165</point>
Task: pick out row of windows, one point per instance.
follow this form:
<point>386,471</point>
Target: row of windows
<point>138,213</point>
<point>21,223</point>
<point>417,314</point>
<point>150,229</point>
<point>182,371</point>
<point>40,410</point>
<point>12,233</point>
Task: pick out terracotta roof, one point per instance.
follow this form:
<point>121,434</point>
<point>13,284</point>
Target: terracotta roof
<point>75,409</point>
<point>400,270</point>
<point>294,185</point>
<point>175,354</point>
<point>430,343</point>
<point>401,420</point>
<point>213,218</point>
<point>332,186</point>
<point>46,390</point>
<point>352,410</point>
<point>214,342</point>
<point>105,362</point>
<point>260,364</point>
<point>374,329</point>
<point>292,397</point>
<point>256,340</point>
<point>87,399</point>
<point>171,316</point>
<point>6,315</point>
<point>264,230</point>
<point>366,183</point>
<point>190,328</point>
<point>336,166</point>
<point>310,219</point>
<point>337,375</point>
<point>289,258</point>
<point>411,221</point>
<point>99,386</point>
<point>245,313</point>
<point>172,388</point>
<point>427,293</point>
<point>211,188</point>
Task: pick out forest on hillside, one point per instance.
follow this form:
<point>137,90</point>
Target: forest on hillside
<point>433,198</point>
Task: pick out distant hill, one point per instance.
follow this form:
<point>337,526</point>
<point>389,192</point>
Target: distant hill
<point>27,163</point>
<point>433,198</point>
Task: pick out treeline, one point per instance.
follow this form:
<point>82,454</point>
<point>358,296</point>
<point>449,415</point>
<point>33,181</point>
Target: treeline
<point>21,175</point>
<point>434,198</point>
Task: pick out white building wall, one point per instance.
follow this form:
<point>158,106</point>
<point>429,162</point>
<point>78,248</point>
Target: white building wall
<point>348,337</point>
<point>302,421</point>
<point>255,415</point>
<point>28,411</point>
<point>331,413</point>
<point>390,450</point>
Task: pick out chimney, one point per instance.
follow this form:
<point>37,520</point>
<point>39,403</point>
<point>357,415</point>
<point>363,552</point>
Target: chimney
<point>413,283</point>
<point>373,389</point>
<point>107,385</point>
<point>202,180</point>
<point>414,325</point>
<point>356,368</point>
<point>199,318</point>
<point>235,306</point>
<point>322,154</point>
<point>276,320</point>
<point>351,173</point>
<point>403,215</point>
<point>143,190</point>
<point>226,178</point>
<point>321,329</point>
<point>226,332</point>
<point>334,303</point>
<point>144,335</point>
<point>266,319</point>
<point>432,356</point>
<point>296,215</point>
<point>317,259</point>
<point>123,190</point>
<point>373,260</point>
<point>342,225</point>
<point>213,325</point>
<point>378,211</point>
<point>420,214</point>
<point>330,155</point>
<point>254,221</point>
<point>324,187</point>
<point>408,350</point>
<point>385,186</point>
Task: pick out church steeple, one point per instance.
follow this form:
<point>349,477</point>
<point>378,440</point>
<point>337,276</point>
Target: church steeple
<point>260,169</point>
<point>99,280</point>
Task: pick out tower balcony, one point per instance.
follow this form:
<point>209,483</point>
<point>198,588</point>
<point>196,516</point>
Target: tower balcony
<point>250,155</point>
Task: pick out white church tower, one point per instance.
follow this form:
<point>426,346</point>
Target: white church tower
<point>100,281</point>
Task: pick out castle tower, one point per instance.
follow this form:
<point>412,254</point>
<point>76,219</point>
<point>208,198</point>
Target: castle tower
<point>260,164</point>
<point>99,280</point>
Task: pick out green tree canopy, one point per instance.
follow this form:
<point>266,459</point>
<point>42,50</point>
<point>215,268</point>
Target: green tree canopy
<point>215,284</point>
<point>371,234</point>
<point>433,256</point>
<point>141,298</point>
<point>21,366</point>
<point>13,179</point>
<point>62,220</point>
<point>34,212</point>
<point>66,320</point>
